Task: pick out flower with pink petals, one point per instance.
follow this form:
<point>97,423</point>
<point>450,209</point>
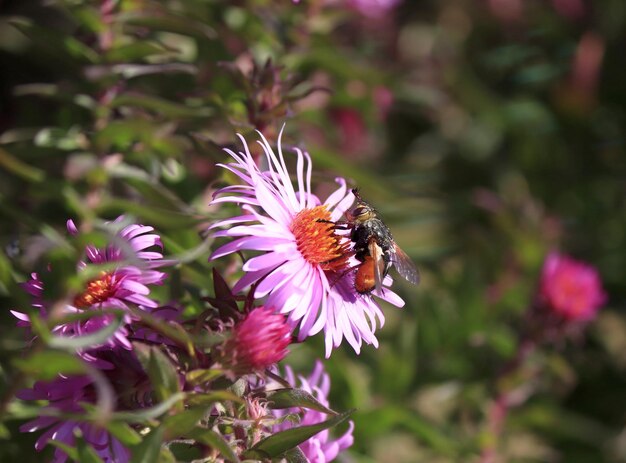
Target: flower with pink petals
<point>570,289</point>
<point>129,387</point>
<point>126,284</point>
<point>258,341</point>
<point>373,8</point>
<point>306,267</point>
<point>320,448</point>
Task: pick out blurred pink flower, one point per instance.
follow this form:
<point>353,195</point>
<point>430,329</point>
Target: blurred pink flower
<point>320,448</point>
<point>373,8</point>
<point>507,10</point>
<point>259,340</point>
<point>130,390</point>
<point>570,289</point>
<point>352,131</point>
<point>587,63</point>
<point>305,268</point>
<point>383,99</point>
<point>126,284</point>
<point>572,9</point>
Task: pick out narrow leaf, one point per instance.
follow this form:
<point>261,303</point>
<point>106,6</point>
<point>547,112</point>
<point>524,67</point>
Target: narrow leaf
<point>224,299</point>
<point>171,330</point>
<point>124,433</point>
<point>279,443</point>
<point>144,414</point>
<point>214,440</point>
<point>17,167</point>
<point>47,365</point>
<point>183,422</point>
<point>287,398</point>
<point>160,369</point>
<point>69,450</point>
<point>196,377</point>
<point>86,453</point>
<point>295,455</point>
<point>211,398</point>
<point>148,451</point>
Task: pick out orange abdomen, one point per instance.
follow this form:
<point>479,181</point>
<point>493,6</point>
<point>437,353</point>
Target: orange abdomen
<point>365,278</point>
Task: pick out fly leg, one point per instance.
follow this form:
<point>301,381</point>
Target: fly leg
<point>339,225</point>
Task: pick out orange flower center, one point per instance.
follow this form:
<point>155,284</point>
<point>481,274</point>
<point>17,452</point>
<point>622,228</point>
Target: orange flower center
<point>317,241</point>
<point>97,291</point>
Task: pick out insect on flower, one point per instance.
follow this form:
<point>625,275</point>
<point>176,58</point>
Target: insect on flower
<point>375,248</point>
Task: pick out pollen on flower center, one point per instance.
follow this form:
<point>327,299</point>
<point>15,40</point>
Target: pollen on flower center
<point>97,291</point>
<point>317,241</point>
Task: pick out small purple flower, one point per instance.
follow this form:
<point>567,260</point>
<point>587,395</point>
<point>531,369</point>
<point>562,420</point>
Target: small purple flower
<point>66,393</point>
<point>306,269</point>
<point>320,448</point>
<point>570,289</point>
<point>127,284</point>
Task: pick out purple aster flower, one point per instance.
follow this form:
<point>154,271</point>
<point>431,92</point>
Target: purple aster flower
<point>131,391</point>
<point>320,448</point>
<point>126,284</point>
<point>306,270</point>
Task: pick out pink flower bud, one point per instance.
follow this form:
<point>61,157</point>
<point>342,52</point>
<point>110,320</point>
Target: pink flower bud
<point>260,340</point>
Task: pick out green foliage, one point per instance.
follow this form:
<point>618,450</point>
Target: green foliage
<point>503,139</point>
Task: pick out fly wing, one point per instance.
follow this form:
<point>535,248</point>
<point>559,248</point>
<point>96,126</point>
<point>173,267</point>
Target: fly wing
<point>376,253</point>
<point>404,265</point>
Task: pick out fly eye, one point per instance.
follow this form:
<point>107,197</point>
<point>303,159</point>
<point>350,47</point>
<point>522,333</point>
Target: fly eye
<point>360,210</point>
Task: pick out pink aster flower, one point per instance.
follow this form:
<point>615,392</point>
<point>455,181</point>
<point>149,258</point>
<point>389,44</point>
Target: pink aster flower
<point>306,267</point>
<point>570,289</point>
<point>130,390</point>
<point>320,448</point>
<point>127,284</point>
<point>373,8</point>
<point>258,341</point>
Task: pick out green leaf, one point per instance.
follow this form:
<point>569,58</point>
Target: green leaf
<point>128,71</point>
<point>211,398</point>
<point>165,107</point>
<point>55,137</point>
<point>281,442</point>
<point>148,451</point>
<point>168,22</point>
<point>294,455</point>
<point>86,453</point>
<point>71,452</point>
<point>48,364</point>
<point>196,377</point>
<point>59,46</point>
<point>134,51</point>
<point>123,432</point>
<point>215,441</point>
<point>180,424</point>
<point>17,167</point>
<point>171,330</point>
<point>88,340</point>
<point>140,416</point>
<point>288,397</point>
<point>161,371</point>
<point>166,456</point>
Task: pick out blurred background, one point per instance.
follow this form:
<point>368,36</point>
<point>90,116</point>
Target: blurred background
<point>487,133</point>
